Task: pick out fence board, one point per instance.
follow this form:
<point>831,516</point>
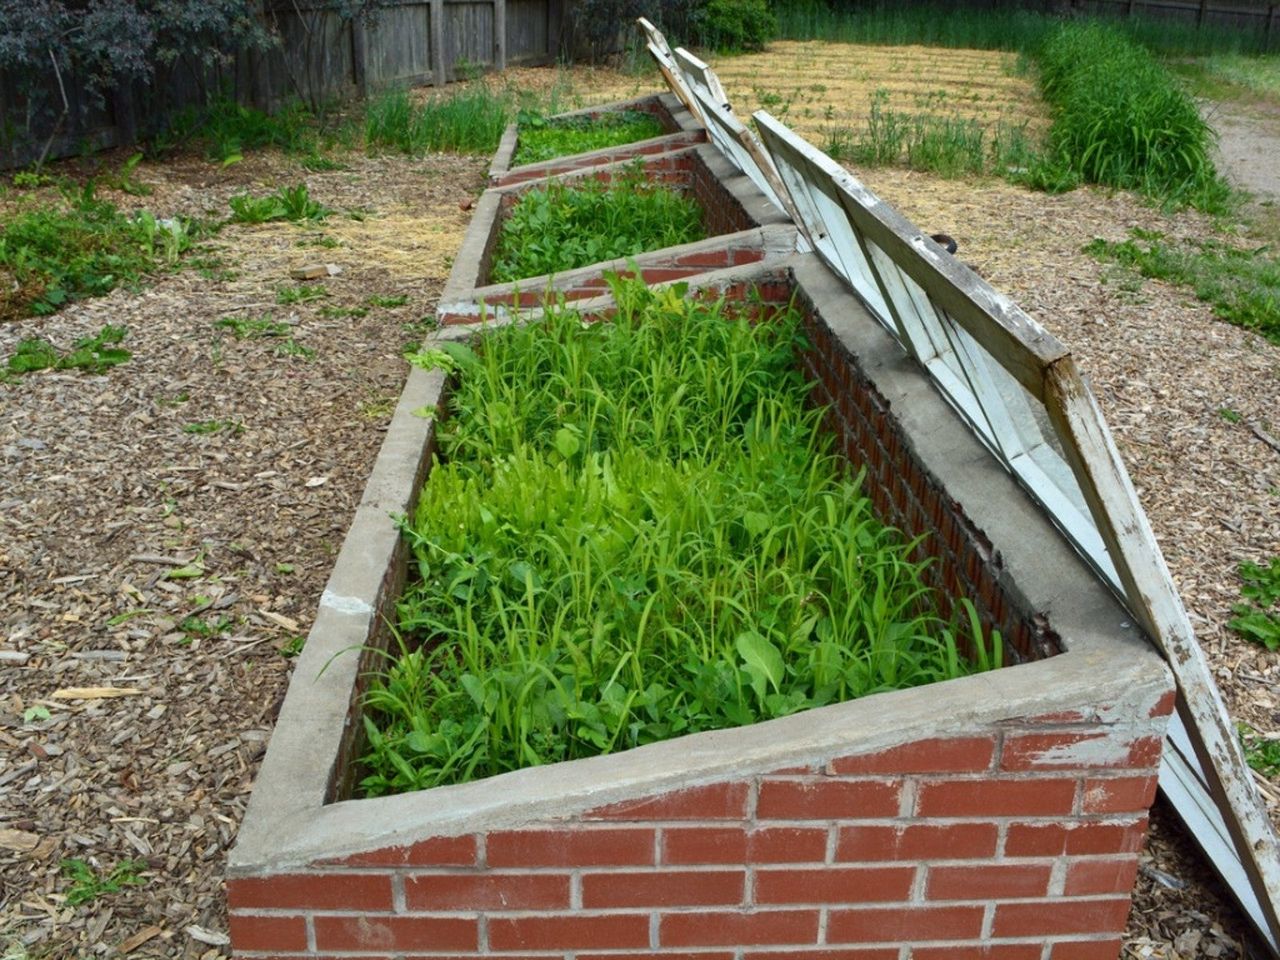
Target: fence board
<point>321,55</point>
<point>528,31</point>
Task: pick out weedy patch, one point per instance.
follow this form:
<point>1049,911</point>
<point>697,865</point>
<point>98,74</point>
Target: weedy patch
<point>302,293</point>
<point>469,121</point>
<point>81,247</point>
<point>541,138</point>
<point>95,354</point>
<point>1258,618</point>
<point>288,203</point>
<point>637,530</point>
<point>254,328</point>
<point>1242,286</point>
<point>564,226</point>
<point>208,427</point>
<point>88,884</point>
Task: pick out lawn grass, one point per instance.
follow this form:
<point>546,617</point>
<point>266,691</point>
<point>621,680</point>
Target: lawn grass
<point>636,530</point>
<point>544,139</point>
<point>567,225</point>
<point>1243,286</point>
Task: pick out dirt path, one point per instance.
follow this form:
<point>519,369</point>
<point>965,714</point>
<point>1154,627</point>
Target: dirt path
<point>1248,151</point>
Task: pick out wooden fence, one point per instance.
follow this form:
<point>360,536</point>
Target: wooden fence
<point>1262,20</point>
<point>319,56</point>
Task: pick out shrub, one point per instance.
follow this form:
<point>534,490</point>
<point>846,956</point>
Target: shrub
<point>734,25</point>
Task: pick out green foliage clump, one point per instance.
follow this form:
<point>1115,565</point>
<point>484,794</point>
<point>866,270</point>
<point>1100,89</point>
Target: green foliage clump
<point>1258,618</point>
<point>227,129</point>
<point>735,25</point>
<point>288,203</point>
<point>636,530</point>
<point>88,884</point>
<point>1243,286</point>
<point>544,139</point>
<point>94,354</point>
<point>469,121</point>
<point>80,247</point>
<point>1120,119</point>
<point>562,226</point>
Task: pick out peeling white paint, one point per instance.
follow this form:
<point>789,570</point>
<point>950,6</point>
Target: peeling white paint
<point>348,606</point>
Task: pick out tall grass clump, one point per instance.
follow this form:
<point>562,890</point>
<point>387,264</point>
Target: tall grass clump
<point>950,146</point>
<point>636,530</point>
<point>468,121</point>
<point>565,226</point>
<point>1121,119</point>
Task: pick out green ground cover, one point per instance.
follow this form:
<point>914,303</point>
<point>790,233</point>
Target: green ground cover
<point>567,225</point>
<point>636,530</point>
<point>544,139</point>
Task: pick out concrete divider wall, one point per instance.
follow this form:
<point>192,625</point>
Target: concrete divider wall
<point>998,815</point>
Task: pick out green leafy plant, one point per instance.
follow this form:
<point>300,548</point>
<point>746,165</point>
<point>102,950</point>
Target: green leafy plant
<point>543,139</point>
<point>637,530</point>
<point>88,884</point>
<point>1258,618</point>
<point>1242,285</point>
<point>254,328</point>
<point>302,293</point>
<point>1261,753</point>
<point>563,226</point>
<point>95,354</point>
<point>736,25</point>
<point>388,302</point>
<point>288,203</point>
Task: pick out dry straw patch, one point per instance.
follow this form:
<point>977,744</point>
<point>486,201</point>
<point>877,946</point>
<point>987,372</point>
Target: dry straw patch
<point>821,88</point>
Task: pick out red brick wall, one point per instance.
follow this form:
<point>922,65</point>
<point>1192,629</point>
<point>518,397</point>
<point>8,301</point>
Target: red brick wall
<point>1015,840</point>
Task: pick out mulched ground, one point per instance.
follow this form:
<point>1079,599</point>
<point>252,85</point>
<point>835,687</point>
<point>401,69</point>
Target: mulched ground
<point>182,567</point>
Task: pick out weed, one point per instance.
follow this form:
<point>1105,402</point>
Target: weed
<point>196,626</point>
<point>320,240</point>
<point>1229,415</point>
<point>302,293</point>
<point>1261,753</point>
<point>317,162</point>
<point>293,646</point>
<point>227,129</point>
<point>36,714</point>
<point>694,557</point>
<point>340,313</point>
<point>254,328</point>
<point>469,121</point>
<point>1258,618</point>
<point>81,247</point>
<point>1242,286</point>
<point>288,203</point>
<point>292,348</point>
<point>87,884</point>
<point>561,226</point>
<point>207,427</point>
<point>388,302</point>
<point>284,568</point>
<point>542,139</point>
<point>95,354</point>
